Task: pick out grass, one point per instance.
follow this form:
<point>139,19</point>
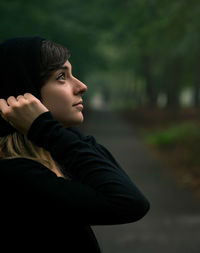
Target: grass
<point>184,133</point>
<point>174,138</point>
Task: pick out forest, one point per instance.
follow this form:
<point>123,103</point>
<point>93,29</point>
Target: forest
<point>135,52</point>
<point>142,56</point>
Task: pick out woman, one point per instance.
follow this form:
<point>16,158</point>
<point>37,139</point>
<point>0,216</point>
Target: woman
<point>55,182</point>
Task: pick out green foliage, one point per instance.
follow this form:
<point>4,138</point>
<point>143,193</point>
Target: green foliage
<point>185,133</point>
<point>64,21</point>
<point>151,43</point>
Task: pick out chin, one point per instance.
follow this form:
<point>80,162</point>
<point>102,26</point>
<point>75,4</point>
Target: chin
<point>73,122</point>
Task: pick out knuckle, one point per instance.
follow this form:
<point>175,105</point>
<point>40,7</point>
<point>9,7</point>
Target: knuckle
<point>28,95</point>
<point>33,100</point>
<point>10,98</point>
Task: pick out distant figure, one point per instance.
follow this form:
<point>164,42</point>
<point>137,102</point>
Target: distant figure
<point>55,182</point>
<point>98,103</point>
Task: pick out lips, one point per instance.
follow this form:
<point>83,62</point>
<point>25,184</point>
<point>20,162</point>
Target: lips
<point>79,103</point>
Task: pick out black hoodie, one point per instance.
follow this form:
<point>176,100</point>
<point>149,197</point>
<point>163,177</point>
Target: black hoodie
<point>40,211</point>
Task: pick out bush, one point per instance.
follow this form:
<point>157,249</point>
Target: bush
<point>183,133</point>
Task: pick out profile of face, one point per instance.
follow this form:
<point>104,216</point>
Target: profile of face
<point>62,95</point>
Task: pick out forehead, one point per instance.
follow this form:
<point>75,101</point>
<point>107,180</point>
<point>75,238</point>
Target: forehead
<point>66,66</point>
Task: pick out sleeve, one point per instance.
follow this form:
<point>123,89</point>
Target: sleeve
<point>100,188</point>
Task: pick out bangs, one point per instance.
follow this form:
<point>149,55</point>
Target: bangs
<point>53,56</point>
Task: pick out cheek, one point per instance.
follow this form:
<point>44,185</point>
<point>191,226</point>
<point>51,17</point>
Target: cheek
<point>58,101</point>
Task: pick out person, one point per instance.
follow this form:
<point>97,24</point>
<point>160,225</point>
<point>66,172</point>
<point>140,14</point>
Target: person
<point>56,182</point>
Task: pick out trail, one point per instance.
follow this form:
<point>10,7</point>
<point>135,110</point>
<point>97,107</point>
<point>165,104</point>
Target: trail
<point>173,222</point>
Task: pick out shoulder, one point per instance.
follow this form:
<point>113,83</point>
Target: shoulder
<point>22,167</point>
<point>19,161</point>
<point>22,177</point>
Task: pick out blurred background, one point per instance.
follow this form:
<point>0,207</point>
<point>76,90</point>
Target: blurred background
<point>141,62</point>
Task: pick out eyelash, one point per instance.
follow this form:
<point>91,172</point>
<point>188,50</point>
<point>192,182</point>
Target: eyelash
<point>60,76</point>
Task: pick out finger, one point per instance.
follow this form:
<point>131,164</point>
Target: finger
<point>20,97</point>
<point>11,100</point>
<point>3,108</point>
<point>3,105</point>
<point>29,96</point>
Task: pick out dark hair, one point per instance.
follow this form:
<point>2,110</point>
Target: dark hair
<point>53,56</point>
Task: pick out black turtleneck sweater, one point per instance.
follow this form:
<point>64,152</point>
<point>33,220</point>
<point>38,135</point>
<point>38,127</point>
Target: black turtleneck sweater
<point>40,211</point>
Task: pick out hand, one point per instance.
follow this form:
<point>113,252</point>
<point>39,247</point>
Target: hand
<point>20,112</point>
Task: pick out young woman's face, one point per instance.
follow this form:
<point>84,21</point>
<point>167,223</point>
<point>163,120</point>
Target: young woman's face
<point>61,93</point>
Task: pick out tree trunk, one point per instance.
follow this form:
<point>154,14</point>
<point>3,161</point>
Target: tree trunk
<point>196,95</point>
<point>150,87</point>
<point>197,87</point>
<point>173,73</point>
<point>172,99</point>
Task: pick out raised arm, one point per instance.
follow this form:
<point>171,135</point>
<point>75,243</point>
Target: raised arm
<point>93,166</point>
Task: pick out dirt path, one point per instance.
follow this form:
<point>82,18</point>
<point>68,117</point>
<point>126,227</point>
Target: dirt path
<point>173,223</point>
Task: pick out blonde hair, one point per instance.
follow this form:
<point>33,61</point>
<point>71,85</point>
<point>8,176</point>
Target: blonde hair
<point>18,145</point>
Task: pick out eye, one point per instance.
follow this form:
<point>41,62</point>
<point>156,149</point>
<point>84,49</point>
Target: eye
<point>61,77</point>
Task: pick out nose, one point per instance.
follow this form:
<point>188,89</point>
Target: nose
<point>79,87</point>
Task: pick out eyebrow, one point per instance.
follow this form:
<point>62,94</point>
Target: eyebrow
<point>63,67</point>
